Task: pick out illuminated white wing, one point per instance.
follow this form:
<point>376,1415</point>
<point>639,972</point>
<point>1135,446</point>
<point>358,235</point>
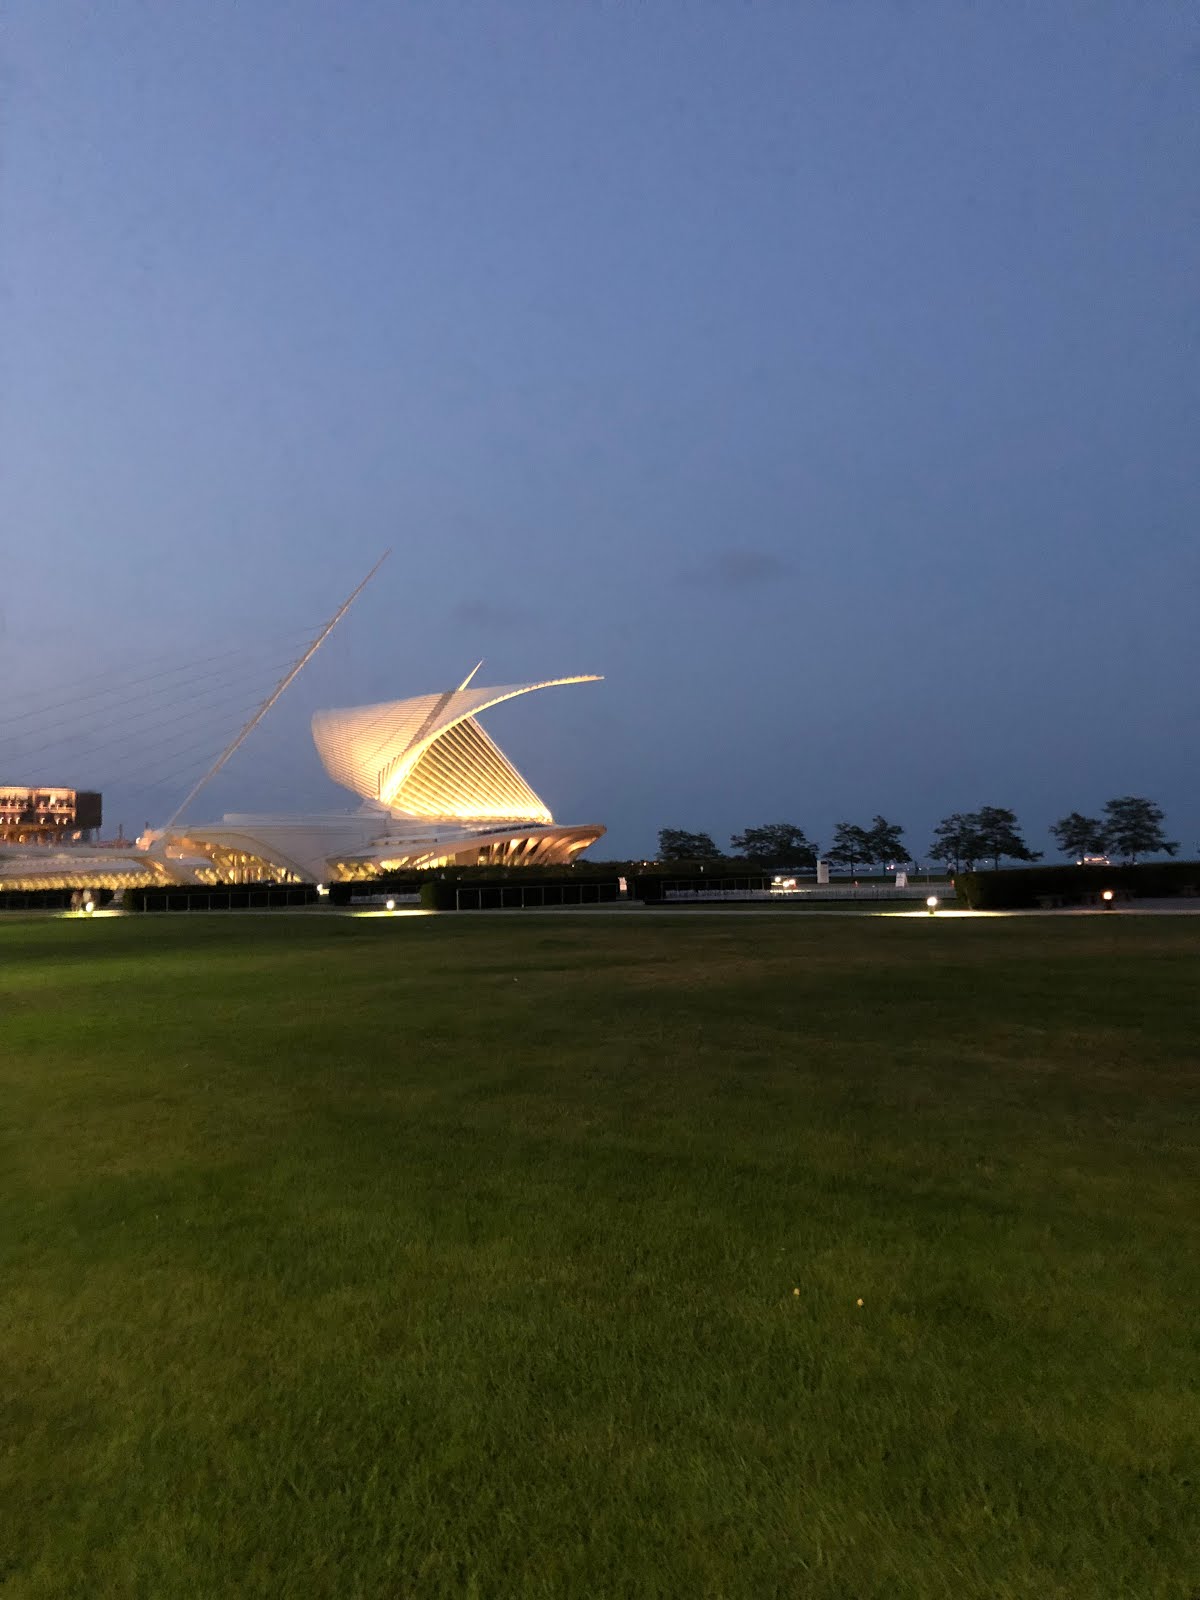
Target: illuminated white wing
<point>428,756</point>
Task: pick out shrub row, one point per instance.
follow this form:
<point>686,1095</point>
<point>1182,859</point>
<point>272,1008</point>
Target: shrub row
<point>46,899</point>
<point>1021,888</point>
<point>606,871</point>
<point>451,895</point>
<point>222,897</point>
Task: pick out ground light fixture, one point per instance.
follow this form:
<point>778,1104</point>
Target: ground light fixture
<point>89,906</point>
<point>932,903</point>
<point>391,905</point>
<point>1107,897</point>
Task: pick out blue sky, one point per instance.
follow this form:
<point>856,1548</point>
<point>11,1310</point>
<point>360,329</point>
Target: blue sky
<point>825,375</point>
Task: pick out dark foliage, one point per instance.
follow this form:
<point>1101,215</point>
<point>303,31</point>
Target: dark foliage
<point>1133,827</point>
<point>1023,888</point>
<point>776,844</point>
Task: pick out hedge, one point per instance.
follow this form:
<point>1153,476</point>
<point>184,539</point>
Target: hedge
<point>47,899</point>
<point>219,897</point>
<point>551,872</point>
<point>1021,888</point>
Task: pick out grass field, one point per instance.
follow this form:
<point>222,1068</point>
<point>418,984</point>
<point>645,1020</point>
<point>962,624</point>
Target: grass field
<point>524,1257</point>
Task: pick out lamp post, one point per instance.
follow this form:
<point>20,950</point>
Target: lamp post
<point>932,903</point>
<point>1109,899</point>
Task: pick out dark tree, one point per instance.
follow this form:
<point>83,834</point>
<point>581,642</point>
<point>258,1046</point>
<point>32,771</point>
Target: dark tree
<point>885,842</point>
<point>956,841</point>
<point>1078,835</point>
<point>851,846</point>
<point>1133,828</point>
<point>674,844</point>
<point>999,835</point>
<point>776,844</point>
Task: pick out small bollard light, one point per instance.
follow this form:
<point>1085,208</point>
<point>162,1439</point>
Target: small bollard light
<point>391,905</point>
<point>1107,897</point>
<point>932,903</point>
<point>89,906</point>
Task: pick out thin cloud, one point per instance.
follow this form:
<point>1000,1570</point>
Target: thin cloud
<point>737,569</point>
<point>494,615</point>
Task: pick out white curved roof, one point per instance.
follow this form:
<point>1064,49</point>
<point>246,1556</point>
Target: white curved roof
<point>71,868</point>
<point>428,756</point>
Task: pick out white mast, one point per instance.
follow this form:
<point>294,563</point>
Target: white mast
<point>274,695</point>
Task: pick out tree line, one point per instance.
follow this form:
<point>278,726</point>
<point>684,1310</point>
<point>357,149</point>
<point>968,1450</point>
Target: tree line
<point>1129,827</point>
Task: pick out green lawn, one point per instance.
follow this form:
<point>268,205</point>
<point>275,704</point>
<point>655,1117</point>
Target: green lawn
<point>523,1256</point>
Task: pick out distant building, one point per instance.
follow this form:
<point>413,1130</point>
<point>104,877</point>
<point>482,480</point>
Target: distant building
<point>47,814</point>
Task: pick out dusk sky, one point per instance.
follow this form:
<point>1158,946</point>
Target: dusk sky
<point>825,375</point>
